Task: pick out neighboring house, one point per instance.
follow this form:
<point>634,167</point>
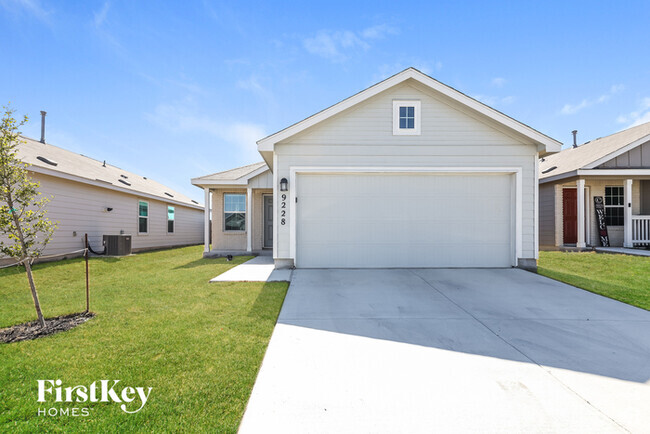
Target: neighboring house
<point>616,168</point>
<point>94,197</point>
<point>407,173</point>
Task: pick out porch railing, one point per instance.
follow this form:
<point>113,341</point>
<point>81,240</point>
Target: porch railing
<point>641,229</point>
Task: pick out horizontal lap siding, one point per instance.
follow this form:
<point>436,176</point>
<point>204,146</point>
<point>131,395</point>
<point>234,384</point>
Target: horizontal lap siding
<point>81,208</point>
<point>363,136</point>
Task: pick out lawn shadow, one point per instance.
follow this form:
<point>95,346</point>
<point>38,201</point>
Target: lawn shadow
<point>263,307</point>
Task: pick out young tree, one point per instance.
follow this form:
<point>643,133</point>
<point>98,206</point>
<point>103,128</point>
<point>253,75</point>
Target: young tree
<point>24,229</point>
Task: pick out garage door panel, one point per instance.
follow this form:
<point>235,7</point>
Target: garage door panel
<point>404,220</point>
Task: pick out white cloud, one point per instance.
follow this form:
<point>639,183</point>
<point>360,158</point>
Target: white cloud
<point>637,117</point>
<point>336,45</point>
<point>498,81</point>
<point>181,119</point>
<point>492,100</point>
<point>569,109</point>
<point>254,85</point>
<point>378,32</point>
<point>32,7</point>
<point>100,15</point>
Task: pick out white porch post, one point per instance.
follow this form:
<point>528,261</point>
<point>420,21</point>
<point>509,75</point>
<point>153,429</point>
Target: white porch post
<point>249,217</point>
<point>581,213</point>
<point>206,221</point>
<point>627,224</point>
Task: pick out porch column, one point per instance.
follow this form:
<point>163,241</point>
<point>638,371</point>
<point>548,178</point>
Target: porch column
<point>627,224</point>
<point>249,217</point>
<point>581,213</point>
<point>206,221</point>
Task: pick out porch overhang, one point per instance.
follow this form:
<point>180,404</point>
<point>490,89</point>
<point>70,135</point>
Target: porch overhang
<point>618,173</point>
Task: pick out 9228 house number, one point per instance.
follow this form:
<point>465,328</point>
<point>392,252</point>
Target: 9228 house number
<point>283,210</point>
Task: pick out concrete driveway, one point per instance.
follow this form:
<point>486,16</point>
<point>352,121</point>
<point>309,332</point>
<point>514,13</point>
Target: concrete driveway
<point>440,350</point>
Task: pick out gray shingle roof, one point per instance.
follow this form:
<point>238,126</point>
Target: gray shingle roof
<point>232,174</point>
<point>55,159</point>
<point>573,159</point>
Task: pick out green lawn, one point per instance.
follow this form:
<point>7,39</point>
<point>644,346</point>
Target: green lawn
<point>621,277</point>
<point>159,324</point>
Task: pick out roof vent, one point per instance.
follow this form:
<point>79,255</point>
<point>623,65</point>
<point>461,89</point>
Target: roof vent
<point>575,140</point>
<point>195,201</point>
<point>168,194</point>
<point>43,113</point>
<point>124,182</point>
<point>104,165</point>
<point>124,176</point>
<point>47,161</point>
<point>550,169</point>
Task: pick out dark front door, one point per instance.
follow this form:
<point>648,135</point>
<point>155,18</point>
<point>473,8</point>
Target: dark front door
<point>570,211</point>
<point>268,221</point>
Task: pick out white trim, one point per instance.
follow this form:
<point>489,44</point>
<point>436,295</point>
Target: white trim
<point>243,180</point>
<point>536,207</point>
<point>544,142</point>
<point>614,172</point>
<point>627,224</point>
<point>618,152</point>
<point>293,187</point>
<point>249,218</point>
<point>109,186</point>
<point>275,206</point>
<point>580,207</point>
<point>417,117</point>
<point>139,217</point>
<point>206,221</point>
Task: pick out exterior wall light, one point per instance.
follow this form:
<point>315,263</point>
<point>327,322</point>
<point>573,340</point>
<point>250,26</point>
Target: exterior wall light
<point>284,184</point>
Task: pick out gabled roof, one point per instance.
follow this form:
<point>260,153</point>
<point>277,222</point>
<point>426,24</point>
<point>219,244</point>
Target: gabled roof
<point>237,176</point>
<point>544,143</point>
<point>594,153</point>
<point>54,161</point>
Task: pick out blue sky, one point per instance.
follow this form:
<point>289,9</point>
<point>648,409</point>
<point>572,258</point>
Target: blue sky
<point>174,90</point>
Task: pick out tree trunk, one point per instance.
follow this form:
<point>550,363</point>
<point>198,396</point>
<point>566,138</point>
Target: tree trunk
<point>37,303</point>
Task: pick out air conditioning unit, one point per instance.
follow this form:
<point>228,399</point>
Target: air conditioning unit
<point>117,245</point>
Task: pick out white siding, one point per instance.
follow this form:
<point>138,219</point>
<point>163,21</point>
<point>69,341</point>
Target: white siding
<point>81,208</point>
<point>362,136</point>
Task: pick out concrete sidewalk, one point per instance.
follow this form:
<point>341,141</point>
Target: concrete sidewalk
<point>437,350</point>
<point>258,269</point>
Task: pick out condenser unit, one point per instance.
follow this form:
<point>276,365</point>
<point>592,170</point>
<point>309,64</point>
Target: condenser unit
<point>117,245</point>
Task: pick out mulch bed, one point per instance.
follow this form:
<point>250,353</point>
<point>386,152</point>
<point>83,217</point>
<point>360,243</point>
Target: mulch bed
<point>32,330</point>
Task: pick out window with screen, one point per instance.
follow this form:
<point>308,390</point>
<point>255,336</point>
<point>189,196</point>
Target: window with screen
<point>143,217</point>
<point>234,207</point>
<point>614,206</point>
<point>170,219</point>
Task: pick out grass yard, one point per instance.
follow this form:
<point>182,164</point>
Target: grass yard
<point>621,277</point>
<point>159,324</point>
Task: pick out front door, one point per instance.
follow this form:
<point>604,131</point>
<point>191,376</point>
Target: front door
<point>268,221</point>
<point>570,211</point>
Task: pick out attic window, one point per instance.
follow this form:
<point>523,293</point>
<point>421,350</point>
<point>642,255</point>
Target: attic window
<point>124,182</point>
<point>550,169</point>
<point>406,118</point>
<point>47,161</point>
<point>168,194</point>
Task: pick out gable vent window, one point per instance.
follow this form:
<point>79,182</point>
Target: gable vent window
<point>47,161</point>
<point>406,118</point>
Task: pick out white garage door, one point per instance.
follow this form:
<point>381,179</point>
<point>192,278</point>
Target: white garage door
<point>404,220</point>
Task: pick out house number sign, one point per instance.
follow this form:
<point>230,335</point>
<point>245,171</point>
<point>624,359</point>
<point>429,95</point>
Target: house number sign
<point>602,223</point>
<point>283,210</point>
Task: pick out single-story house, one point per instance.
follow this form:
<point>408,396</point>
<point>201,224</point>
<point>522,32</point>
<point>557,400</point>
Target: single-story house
<point>97,198</point>
<point>612,171</point>
<point>407,173</point>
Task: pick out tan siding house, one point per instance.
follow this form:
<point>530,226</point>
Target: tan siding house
<point>407,173</point>
<point>93,197</point>
<point>613,169</point>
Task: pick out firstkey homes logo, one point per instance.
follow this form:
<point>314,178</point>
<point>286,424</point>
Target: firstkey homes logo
<point>131,399</point>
